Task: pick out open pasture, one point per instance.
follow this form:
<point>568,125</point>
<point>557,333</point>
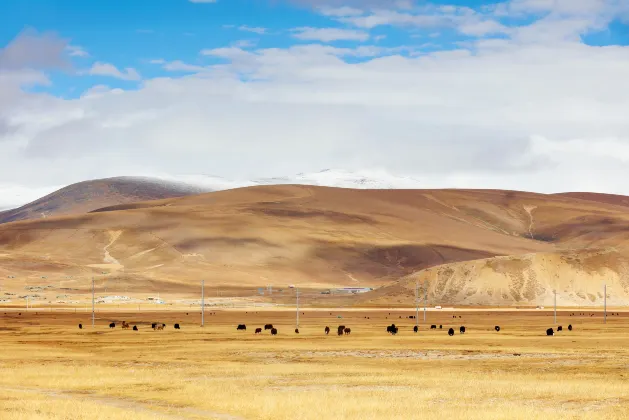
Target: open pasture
<point>51,369</point>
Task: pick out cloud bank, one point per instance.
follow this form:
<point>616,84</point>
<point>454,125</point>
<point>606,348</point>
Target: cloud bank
<point>527,106</point>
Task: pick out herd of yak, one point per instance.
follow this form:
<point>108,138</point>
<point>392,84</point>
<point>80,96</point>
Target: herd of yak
<point>341,330</point>
<point>391,329</point>
<point>125,326</point>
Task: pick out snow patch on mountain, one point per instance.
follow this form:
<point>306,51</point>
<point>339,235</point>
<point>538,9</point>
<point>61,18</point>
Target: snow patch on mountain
<point>13,196</point>
<point>326,178</point>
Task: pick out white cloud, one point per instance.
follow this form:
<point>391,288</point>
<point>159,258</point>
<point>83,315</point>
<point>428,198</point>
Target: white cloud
<point>77,51</point>
<point>537,111</point>
<point>34,51</point>
<point>106,69</point>
<point>244,43</point>
<point>329,34</point>
<point>13,195</point>
<point>179,65</point>
<point>100,90</point>
<point>392,17</point>
<point>340,11</point>
<point>255,30</point>
<point>157,61</point>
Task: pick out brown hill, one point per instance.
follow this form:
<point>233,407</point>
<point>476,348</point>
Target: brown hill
<point>309,236</point>
<point>618,200</point>
<point>528,280</point>
<point>86,196</point>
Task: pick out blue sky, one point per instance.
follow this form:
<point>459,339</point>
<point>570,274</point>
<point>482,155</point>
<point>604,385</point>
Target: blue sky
<point>457,93</point>
<point>129,34</point>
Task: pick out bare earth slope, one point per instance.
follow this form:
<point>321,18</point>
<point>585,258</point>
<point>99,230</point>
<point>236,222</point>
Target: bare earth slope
<point>619,200</point>
<point>86,196</point>
<point>578,277</point>
<point>309,236</point>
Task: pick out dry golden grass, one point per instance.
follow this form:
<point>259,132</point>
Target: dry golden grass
<point>52,370</point>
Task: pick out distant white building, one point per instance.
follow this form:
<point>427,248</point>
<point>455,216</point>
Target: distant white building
<point>155,300</point>
<point>353,290</point>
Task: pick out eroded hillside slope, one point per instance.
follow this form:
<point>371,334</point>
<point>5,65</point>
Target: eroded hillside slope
<point>303,235</point>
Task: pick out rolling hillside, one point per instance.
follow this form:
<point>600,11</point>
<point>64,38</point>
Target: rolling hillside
<point>309,236</point>
<point>529,280</point>
<point>86,196</point>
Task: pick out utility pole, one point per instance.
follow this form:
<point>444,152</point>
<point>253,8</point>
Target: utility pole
<point>93,302</point>
<point>416,303</point>
<point>605,302</point>
<point>297,306</point>
<point>425,299</point>
<point>555,291</point>
<point>202,303</point>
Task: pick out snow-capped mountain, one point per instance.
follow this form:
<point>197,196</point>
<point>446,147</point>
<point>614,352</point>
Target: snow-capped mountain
<point>327,178</point>
<point>126,189</point>
<point>347,179</point>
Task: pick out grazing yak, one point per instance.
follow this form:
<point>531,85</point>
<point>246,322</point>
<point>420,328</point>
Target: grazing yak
<point>273,331</point>
<point>415,328</point>
<point>347,331</point>
<point>340,330</point>
<point>497,328</point>
<point>462,330</point>
<point>125,326</point>
<point>177,327</point>
<point>242,327</point>
<point>296,330</point>
<point>440,327</point>
<point>392,329</point>
<point>570,327</point>
<point>153,325</point>
<point>550,331</point>
<point>258,330</point>
<point>135,328</point>
<point>327,330</point>
<point>433,327</point>
<point>268,327</point>
<point>80,326</point>
<point>112,325</point>
<point>560,328</point>
<point>451,332</point>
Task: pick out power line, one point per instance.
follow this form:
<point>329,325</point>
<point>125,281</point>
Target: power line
<point>425,299</point>
<point>93,302</point>
<point>416,303</point>
<point>555,311</point>
<point>605,302</point>
<point>297,306</point>
<point>202,302</point>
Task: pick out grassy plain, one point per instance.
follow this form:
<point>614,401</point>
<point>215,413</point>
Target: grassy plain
<point>49,369</point>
